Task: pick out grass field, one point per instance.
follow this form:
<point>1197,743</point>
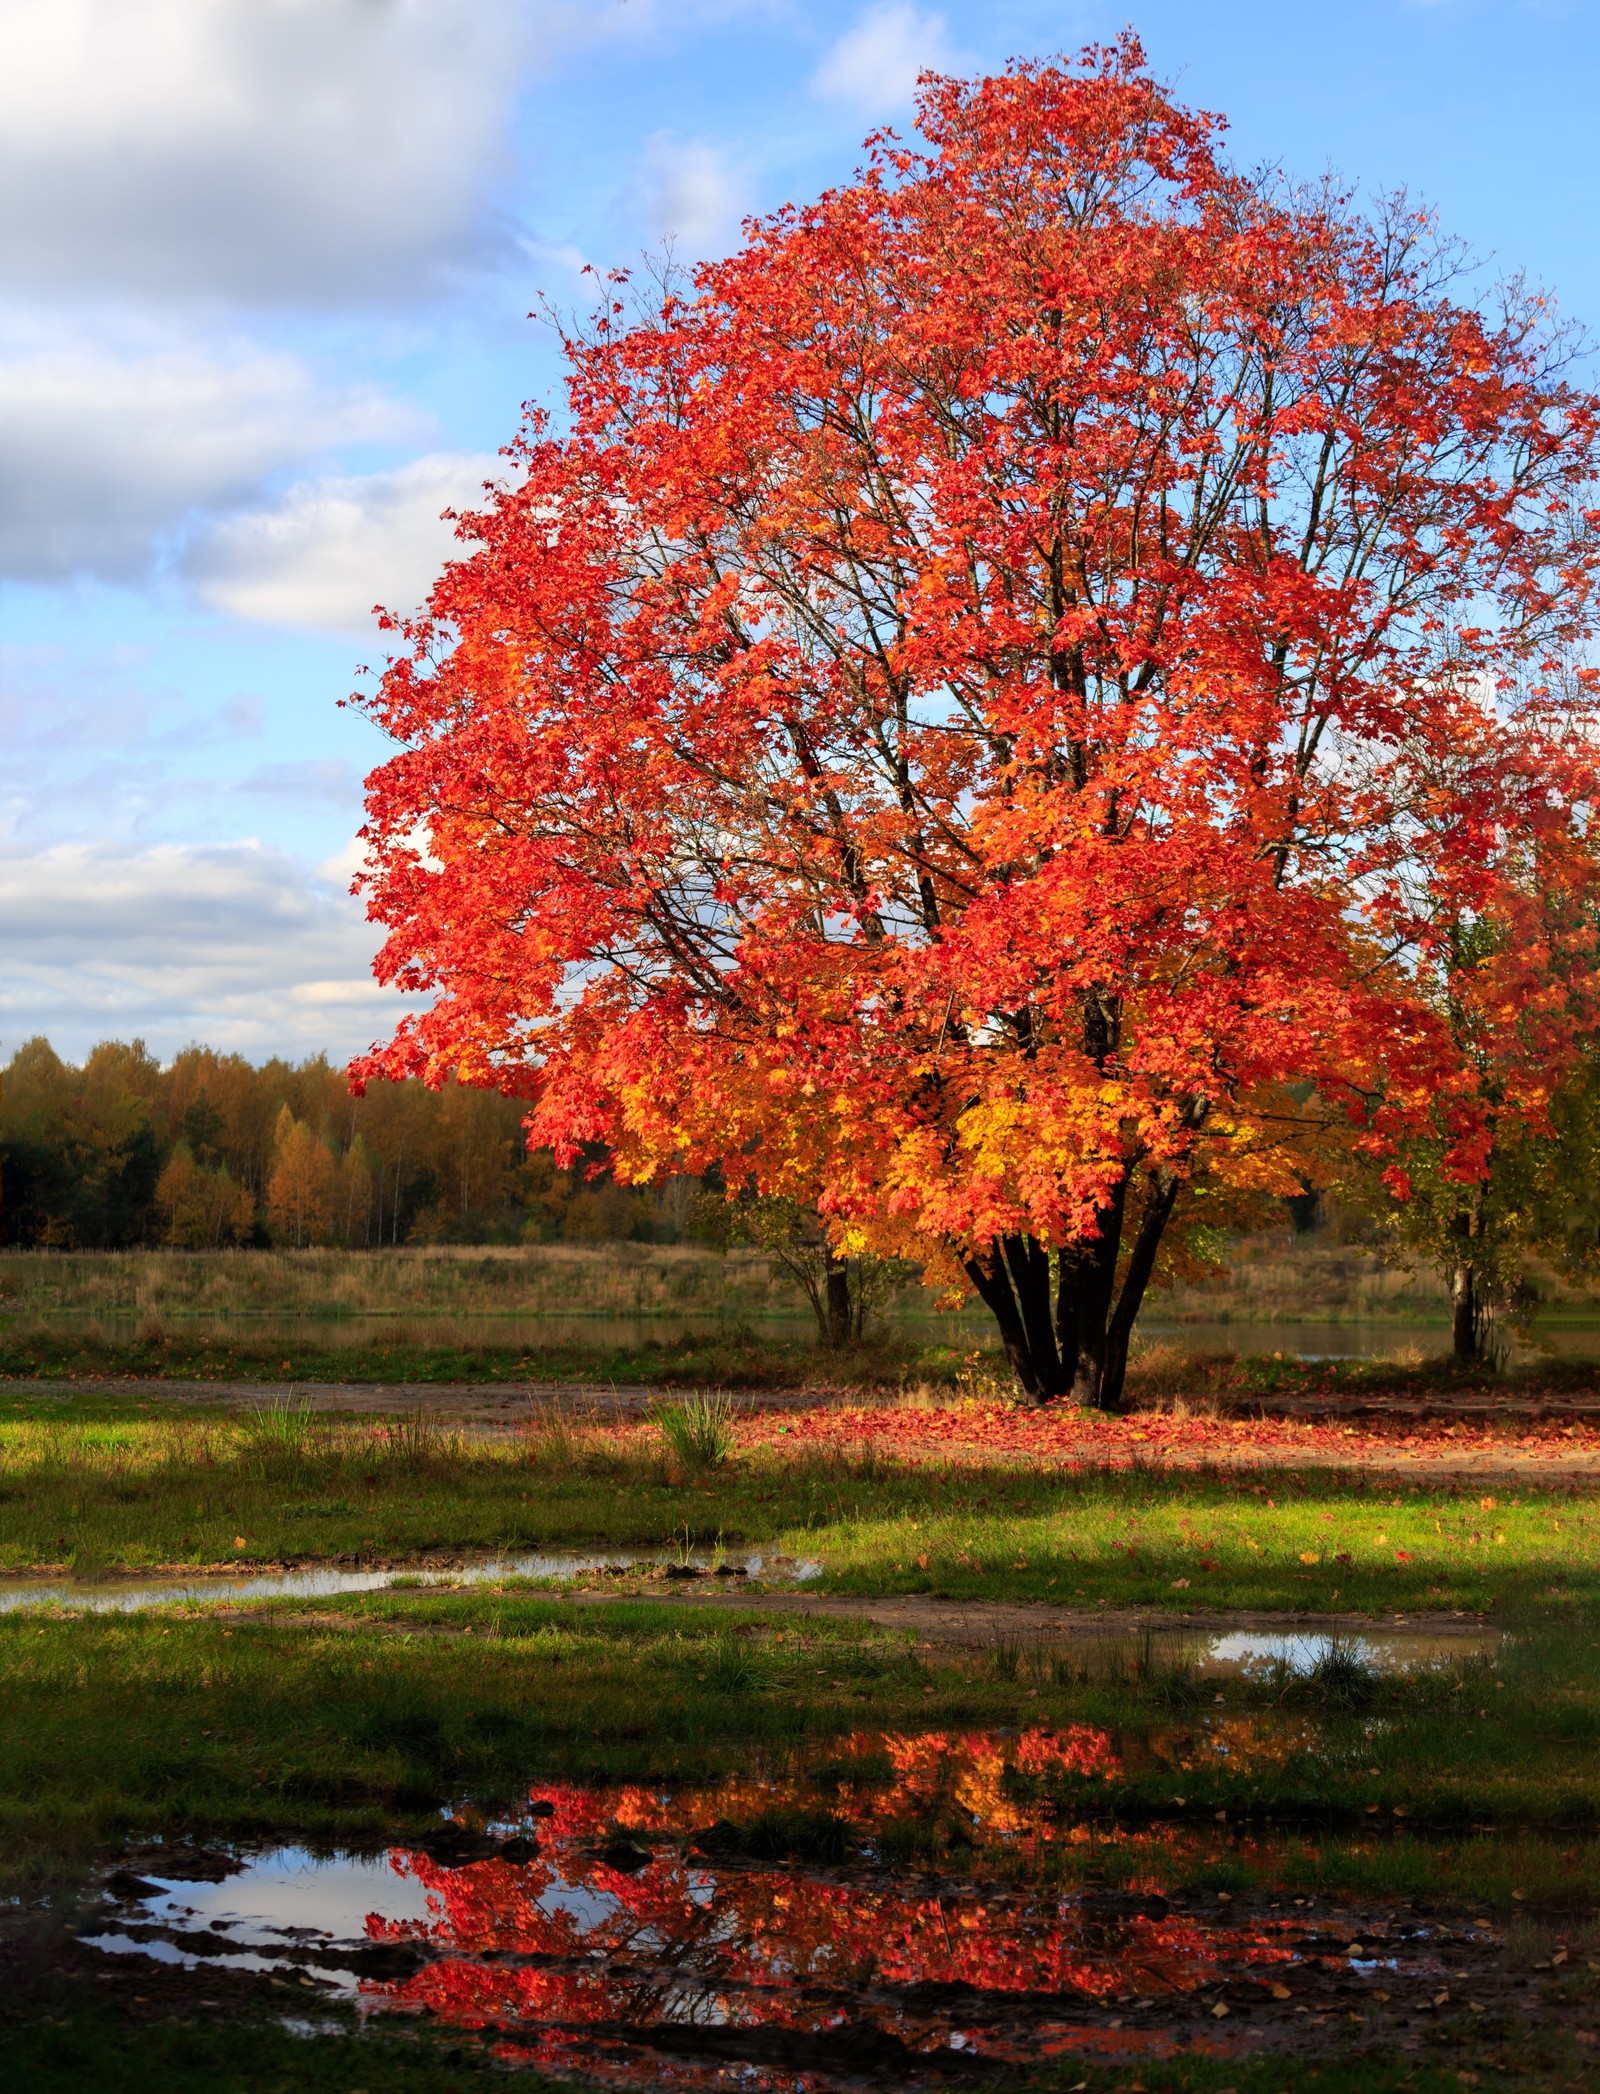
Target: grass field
<point>361,1715</point>
<point>281,1486</point>
<point>73,2049</point>
<point>1462,1795</point>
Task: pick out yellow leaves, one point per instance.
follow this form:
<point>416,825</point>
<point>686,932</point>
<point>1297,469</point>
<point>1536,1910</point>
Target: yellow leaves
<point>1309,1556</point>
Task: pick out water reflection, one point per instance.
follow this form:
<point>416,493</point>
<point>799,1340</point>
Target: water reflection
<point>893,1916</point>
<point>1252,1652</point>
<point>324,1581</point>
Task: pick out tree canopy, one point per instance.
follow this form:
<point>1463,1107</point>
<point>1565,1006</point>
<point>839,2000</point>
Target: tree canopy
<point>212,1151</point>
<point>985,712</point>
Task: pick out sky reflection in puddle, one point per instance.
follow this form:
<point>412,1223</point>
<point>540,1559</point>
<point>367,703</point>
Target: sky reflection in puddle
<point>323,1581</point>
<point>1303,1650</point>
<point>646,1936</point>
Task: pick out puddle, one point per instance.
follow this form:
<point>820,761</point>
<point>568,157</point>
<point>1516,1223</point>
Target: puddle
<point>1243,1653</point>
<point>126,1595</point>
<point>774,1934</point>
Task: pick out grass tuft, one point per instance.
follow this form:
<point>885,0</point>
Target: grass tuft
<point>553,1439</point>
<point>278,1431</point>
<point>419,1440</point>
<point>696,1430</point>
<point>1005,1657</point>
<point>1341,1678</point>
<point>731,1666</point>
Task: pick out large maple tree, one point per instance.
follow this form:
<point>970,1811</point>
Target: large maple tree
<point>978,711</point>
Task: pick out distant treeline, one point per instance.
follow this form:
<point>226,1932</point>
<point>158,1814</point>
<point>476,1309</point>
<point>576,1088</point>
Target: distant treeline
<point>212,1151</point>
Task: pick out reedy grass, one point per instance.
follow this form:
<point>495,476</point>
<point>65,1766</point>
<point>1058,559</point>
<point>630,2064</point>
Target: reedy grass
<point>696,1430</point>
<point>279,1430</point>
<point>422,1282</point>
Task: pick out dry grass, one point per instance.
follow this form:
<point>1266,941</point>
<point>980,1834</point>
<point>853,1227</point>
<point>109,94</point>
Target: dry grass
<point>1280,1277</point>
<point>445,1280</point>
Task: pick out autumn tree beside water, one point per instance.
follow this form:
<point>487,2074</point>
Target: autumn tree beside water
<point>995,709</point>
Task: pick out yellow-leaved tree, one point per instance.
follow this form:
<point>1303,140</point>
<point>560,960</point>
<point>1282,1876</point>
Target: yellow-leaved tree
<point>300,1189</point>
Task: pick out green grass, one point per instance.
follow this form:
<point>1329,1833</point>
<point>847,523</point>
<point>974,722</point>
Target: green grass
<point>1476,1787</point>
<point>84,2044</point>
<point>104,1492</point>
<point>54,2041</point>
<point>350,1721</point>
<point>363,1715</point>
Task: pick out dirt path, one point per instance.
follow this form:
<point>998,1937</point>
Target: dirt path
<point>971,1624</point>
<point>980,1623</point>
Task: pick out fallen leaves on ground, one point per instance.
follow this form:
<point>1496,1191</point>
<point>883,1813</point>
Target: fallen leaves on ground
<point>1067,1437</point>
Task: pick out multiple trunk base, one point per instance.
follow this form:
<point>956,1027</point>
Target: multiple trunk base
<point>1066,1326</point>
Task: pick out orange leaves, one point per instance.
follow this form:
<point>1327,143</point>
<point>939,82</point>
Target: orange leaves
<point>1071,1438</point>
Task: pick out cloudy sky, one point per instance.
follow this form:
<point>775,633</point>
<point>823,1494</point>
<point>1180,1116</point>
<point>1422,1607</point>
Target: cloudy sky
<point>267,272</point>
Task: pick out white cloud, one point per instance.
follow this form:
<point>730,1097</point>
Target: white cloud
<point>874,66</point>
<point>333,547</point>
<point>689,194</point>
<point>294,150</point>
<point>105,444</point>
<point>234,944</point>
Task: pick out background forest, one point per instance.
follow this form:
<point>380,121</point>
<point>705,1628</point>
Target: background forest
<point>212,1151</point>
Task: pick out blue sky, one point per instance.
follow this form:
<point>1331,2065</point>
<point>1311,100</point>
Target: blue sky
<point>267,271</point>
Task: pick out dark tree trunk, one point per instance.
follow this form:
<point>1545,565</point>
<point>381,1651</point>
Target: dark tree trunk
<point>1028,1264</point>
<point>1160,1196</point>
<point>1086,1283</point>
<point>992,1279</point>
<point>1464,1310</point>
<point>1081,1350</point>
<point>836,1280</point>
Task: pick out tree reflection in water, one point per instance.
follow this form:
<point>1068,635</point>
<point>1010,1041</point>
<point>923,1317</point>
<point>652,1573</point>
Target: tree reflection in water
<point>649,1923</point>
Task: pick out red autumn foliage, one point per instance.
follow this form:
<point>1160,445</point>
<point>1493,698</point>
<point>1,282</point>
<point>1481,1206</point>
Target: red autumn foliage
<point>581,1960</point>
<point>996,695</point>
<point>1068,1439</point>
